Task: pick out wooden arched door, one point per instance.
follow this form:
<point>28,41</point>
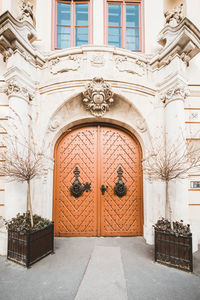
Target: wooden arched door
<point>98,152</point>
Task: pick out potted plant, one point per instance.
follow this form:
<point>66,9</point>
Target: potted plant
<point>26,243</point>
<point>173,244</point>
<point>173,240</point>
<point>30,237</point>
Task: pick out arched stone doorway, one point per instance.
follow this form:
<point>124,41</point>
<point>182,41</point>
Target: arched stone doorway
<point>98,151</point>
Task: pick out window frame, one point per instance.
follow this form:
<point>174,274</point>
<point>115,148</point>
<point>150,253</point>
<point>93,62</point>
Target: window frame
<point>123,4</point>
<point>72,22</point>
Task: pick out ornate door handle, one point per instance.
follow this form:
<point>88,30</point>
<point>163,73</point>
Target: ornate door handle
<point>120,188</point>
<point>77,188</point>
<point>103,188</point>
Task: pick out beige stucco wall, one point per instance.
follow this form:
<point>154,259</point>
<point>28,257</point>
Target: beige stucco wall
<point>138,81</point>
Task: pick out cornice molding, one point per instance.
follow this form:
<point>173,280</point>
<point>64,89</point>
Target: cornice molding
<point>182,40</point>
<point>18,35</point>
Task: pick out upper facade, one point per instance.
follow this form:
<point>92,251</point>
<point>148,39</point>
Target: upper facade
<point>128,24</point>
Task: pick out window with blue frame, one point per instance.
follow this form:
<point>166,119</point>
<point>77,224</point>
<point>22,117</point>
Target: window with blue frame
<point>72,25</point>
<point>124,24</point>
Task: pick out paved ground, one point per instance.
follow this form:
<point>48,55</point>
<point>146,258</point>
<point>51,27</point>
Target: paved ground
<point>59,276</point>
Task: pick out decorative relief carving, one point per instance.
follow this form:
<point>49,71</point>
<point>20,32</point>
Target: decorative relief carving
<point>15,89</point>
<point>26,11</point>
<point>185,58</point>
<point>175,16</point>
<point>54,125</point>
<point>5,48</point>
<point>177,93</point>
<point>98,97</point>
<point>141,125</point>
<point>131,66</point>
<point>71,63</point>
<point>194,115</point>
<point>97,61</point>
<point>7,53</point>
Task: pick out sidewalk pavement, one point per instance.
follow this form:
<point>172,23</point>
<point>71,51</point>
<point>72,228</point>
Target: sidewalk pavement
<point>73,272</point>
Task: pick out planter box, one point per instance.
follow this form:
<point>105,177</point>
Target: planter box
<point>27,248</point>
<point>174,251</point>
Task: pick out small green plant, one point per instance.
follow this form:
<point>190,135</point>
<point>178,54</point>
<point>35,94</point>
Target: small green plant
<point>22,223</point>
<point>176,228</point>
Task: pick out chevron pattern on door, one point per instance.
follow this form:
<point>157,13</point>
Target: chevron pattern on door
<point>98,151</point>
<point>76,216</point>
<point>120,216</point>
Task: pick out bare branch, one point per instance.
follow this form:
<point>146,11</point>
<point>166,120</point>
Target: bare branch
<point>173,163</point>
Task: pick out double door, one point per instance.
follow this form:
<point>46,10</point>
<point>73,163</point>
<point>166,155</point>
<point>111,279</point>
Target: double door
<point>97,183</point>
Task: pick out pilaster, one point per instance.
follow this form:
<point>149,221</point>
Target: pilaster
<point>18,126</point>
<point>175,143</point>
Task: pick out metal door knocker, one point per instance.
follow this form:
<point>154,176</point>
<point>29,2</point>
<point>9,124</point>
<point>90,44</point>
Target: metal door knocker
<point>77,188</point>
<point>120,187</point>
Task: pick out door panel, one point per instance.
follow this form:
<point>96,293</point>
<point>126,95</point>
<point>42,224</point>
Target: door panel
<point>98,152</point>
<point>76,216</point>
<point>120,215</point>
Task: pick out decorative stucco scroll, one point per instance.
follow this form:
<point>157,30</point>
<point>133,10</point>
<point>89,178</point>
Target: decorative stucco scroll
<point>15,89</point>
<point>98,97</point>
<point>133,66</point>
<point>71,63</point>
<point>177,93</point>
<point>55,123</point>
<point>175,16</point>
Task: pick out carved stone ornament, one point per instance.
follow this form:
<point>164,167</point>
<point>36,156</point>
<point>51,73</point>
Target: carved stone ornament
<point>140,123</point>
<point>71,63</point>
<point>98,97</point>
<point>174,17</point>
<point>26,11</point>
<point>15,89</point>
<point>97,61</point>
<point>177,93</point>
<point>123,64</point>
<point>54,124</point>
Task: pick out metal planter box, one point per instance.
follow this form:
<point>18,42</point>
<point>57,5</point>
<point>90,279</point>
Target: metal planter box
<point>174,251</point>
<point>27,248</point>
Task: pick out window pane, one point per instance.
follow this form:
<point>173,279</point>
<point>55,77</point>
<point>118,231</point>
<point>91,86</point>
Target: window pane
<point>63,37</point>
<point>132,15</point>
<point>114,15</point>
<point>114,37</point>
<point>63,14</point>
<point>81,36</point>
<point>132,39</point>
<point>82,14</point>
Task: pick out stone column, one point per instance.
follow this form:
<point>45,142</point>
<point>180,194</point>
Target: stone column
<point>18,127</point>
<point>176,142</point>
